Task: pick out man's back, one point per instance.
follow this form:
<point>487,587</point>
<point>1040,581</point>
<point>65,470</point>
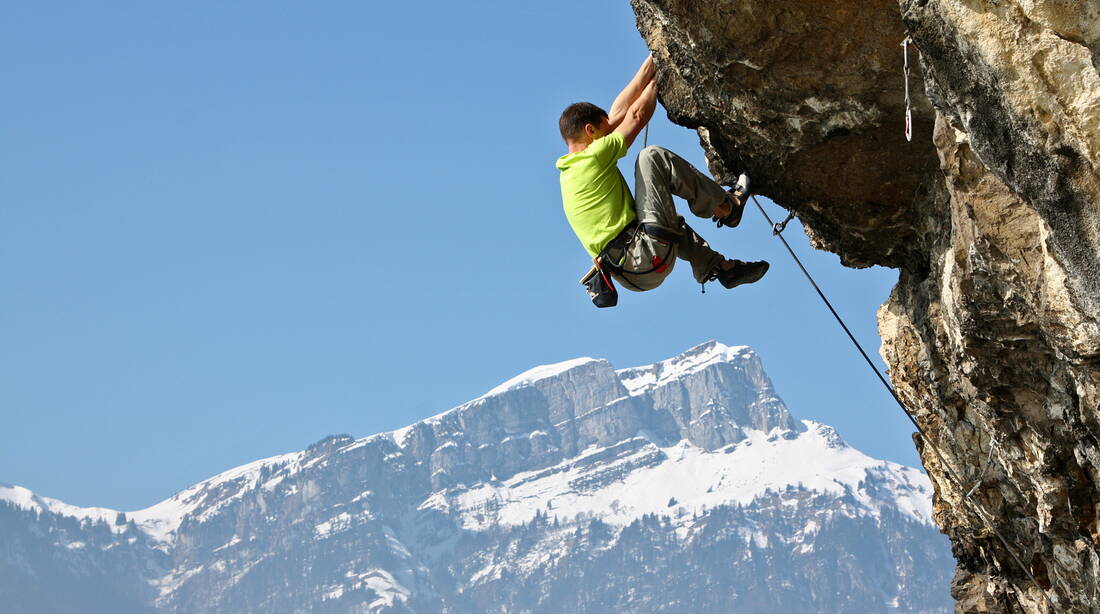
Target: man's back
<point>595,196</point>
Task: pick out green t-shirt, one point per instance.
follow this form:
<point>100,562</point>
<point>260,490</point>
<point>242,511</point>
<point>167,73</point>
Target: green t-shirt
<point>596,198</point>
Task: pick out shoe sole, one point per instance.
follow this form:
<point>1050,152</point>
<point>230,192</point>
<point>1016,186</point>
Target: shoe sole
<point>749,280</point>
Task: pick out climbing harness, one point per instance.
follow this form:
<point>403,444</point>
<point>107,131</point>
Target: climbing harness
<point>613,260</point>
<point>777,230</point>
<point>905,70</point>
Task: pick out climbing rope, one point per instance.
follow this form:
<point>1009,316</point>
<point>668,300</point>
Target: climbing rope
<point>905,70</point>
<point>777,230</point>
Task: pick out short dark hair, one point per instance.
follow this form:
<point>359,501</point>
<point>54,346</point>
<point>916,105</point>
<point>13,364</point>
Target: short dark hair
<point>576,115</point>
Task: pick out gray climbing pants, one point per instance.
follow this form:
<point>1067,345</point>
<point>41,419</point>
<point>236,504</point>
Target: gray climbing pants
<point>658,175</point>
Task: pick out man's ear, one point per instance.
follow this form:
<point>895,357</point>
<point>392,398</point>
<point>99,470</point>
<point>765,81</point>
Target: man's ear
<point>590,131</point>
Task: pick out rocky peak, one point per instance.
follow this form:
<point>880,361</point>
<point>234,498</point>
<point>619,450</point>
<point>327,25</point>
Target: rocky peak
<point>644,379</point>
<point>992,334</point>
<point>713,393</point>
<point>708,395</point>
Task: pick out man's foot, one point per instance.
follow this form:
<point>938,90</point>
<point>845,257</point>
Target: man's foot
<point>729,213</point>
<point>733,273</point>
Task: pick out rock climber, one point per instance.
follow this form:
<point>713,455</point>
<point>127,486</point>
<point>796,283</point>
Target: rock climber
<point>638,238</point>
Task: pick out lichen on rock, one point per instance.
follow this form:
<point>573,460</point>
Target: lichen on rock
<point>990,215</point>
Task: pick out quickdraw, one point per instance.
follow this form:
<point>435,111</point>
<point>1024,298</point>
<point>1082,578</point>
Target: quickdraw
<point>905,70</point>
<point>781,226</point>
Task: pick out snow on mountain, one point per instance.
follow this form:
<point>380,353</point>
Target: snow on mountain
<point>541,372</point>
<point>642,379</point>
<point>689,474</point>
<point>160,521</point>
<point>695,479</point>
<point>527,378</point>
<point>25,499</point>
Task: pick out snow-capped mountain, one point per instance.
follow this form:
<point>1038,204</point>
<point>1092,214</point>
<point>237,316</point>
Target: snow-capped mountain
<point>683,486</point>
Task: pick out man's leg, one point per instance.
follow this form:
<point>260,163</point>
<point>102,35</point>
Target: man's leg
<point>658,174</point>
<point>695,250</point>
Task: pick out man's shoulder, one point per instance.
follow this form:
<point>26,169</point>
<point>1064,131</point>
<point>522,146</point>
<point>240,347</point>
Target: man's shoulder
<point>603,152</point>
<point>609,148</point>
<point>613,138</point>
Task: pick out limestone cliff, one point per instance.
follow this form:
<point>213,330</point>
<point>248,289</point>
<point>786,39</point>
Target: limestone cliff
<point>990,214</point>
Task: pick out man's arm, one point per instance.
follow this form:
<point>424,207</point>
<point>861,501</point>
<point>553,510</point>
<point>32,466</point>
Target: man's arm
<point>630,93</point>
<point>639,113</point>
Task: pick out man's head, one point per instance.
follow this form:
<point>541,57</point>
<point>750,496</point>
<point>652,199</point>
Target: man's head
<point>583,122</point>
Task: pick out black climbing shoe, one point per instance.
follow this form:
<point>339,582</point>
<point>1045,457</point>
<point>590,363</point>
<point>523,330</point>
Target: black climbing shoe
<point>740,273</point>
<point>740,194</point>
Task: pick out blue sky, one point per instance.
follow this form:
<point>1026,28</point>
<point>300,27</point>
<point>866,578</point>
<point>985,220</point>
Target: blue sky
<point>230,229</point>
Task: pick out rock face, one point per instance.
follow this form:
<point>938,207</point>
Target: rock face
<point>990,214</point>
<point>683,486</point>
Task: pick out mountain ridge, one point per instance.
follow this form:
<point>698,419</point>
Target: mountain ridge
<point>691,360</point>
<point>555,466</point>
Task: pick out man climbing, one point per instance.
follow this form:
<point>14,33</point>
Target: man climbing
<point>638,238</point>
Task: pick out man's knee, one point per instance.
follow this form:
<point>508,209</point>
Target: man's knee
<point>651,153</point>
<point>652,160</point>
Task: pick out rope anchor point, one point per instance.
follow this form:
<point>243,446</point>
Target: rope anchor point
<point>781,226</point>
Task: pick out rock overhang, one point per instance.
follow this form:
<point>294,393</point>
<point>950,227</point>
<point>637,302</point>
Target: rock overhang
<point>809,98</point>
